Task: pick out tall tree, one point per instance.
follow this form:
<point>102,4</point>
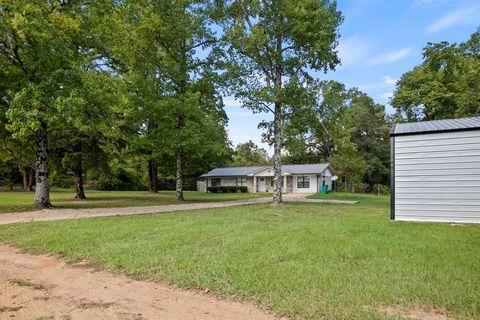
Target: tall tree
<point>311,132</point>
<point>445,85</point>
<point>175,49</point>
<point>370,130</point>
<point>273,44</point>
<point>39,49</point>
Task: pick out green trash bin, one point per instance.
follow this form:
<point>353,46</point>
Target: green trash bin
<point>324,189</point>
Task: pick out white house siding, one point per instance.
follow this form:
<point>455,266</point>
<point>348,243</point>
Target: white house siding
<point>437,177</point>
<point>313,184</point>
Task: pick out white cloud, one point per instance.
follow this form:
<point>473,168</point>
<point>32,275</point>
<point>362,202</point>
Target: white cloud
<point>387,95</point>
<point>389,81</point>
<point>386,83</point>
<point>352,50</point>
<point>466,15</point>
<point>391,57</point>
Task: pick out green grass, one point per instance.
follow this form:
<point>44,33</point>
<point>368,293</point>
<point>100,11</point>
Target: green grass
<point>303,260</point>
<point>364,198</point>
<point>61,198</point>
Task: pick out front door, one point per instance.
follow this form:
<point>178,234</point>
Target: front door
<point>261,185</point>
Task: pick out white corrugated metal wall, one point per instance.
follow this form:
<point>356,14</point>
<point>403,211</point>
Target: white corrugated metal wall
<point>437,177</point>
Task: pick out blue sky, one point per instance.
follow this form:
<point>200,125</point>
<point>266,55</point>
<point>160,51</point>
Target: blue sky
<point>380,40</point>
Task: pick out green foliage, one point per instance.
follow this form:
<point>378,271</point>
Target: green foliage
<point>9,174</point>
<point>120,176</point>
<point>249,154</point>
<point>344,127</point>
<point>272,48</point>
<point>445,85</point>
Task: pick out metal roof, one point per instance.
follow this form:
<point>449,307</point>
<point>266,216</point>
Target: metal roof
<point>435,126</point>
<point>305,168</point>
<point>244,171</point>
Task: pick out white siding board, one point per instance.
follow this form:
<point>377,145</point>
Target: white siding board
<point>455,172</point>
<point>438,136</point>
<point>439,155</point>
<point>420,167</point>
<point>437,177</point>
<point>459,146</point>
<point>436,142</point>
<point>451,161</point>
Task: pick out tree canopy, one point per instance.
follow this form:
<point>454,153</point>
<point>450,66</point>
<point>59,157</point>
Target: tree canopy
<point>445,85</point>
<point>272,45</point>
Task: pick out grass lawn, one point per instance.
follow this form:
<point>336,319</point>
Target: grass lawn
<point>303,260</point>
<point>368,198</point>
<point>62,198</point>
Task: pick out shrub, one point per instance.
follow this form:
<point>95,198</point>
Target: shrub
<point>120,179</point>
<point>381,189</point>
<point>226,189</point>
<point>213,189</point>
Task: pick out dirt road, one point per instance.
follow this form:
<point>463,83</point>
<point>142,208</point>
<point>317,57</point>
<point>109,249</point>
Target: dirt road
<point>42,287</point>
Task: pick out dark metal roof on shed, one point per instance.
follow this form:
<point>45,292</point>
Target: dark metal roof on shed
<point>244,171</point>
<point>435,126</point>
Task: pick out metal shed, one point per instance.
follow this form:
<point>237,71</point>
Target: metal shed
<point>435,171</point>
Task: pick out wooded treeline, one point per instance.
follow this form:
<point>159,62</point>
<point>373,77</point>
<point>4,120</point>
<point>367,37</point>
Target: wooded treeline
<point>127,95</point>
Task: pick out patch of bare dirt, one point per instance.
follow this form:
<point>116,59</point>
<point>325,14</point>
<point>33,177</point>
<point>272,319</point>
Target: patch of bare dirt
<point>42,287</point>
<point>416,312</point>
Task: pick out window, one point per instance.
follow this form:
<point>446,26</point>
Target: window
<point>229,182</point>
<point>303,182</point>
<point>215,182</point>
<point>241,181</point>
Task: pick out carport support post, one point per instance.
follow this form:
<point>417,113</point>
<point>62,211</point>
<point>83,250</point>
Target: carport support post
<point>284,184</point>
<point>254,184</point>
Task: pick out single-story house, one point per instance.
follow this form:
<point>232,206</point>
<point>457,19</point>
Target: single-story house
<point>301,178</point>
<point>435,171</point>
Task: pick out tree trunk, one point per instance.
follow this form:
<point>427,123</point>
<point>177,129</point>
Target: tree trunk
<point>25,178</point>
<point>152,175</point>
<point>78,179</point>
<point>42,190</point>
<point>78,171</point>
<point>277,127</point>
<point>31,179</point>
<point>28,176</point>
<point>277,157</point>
<point>180,164</point>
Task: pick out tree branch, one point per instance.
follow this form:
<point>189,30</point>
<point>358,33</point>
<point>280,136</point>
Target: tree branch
<point>17,155</point>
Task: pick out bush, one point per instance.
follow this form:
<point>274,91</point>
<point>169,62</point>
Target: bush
<point>381,189</point>
<point>120,179</point>
<point>213,189</point>
<point>227,189</point>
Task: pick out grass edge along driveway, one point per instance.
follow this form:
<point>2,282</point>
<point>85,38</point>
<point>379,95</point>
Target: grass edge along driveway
<point>63,199</point>
<point>302,260</point>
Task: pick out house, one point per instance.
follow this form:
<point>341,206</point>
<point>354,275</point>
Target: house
<point>301,178</point>
<point>435,171</point>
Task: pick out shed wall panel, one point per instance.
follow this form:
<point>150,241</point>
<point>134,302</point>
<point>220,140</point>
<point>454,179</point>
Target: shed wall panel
<point>437,177</point>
